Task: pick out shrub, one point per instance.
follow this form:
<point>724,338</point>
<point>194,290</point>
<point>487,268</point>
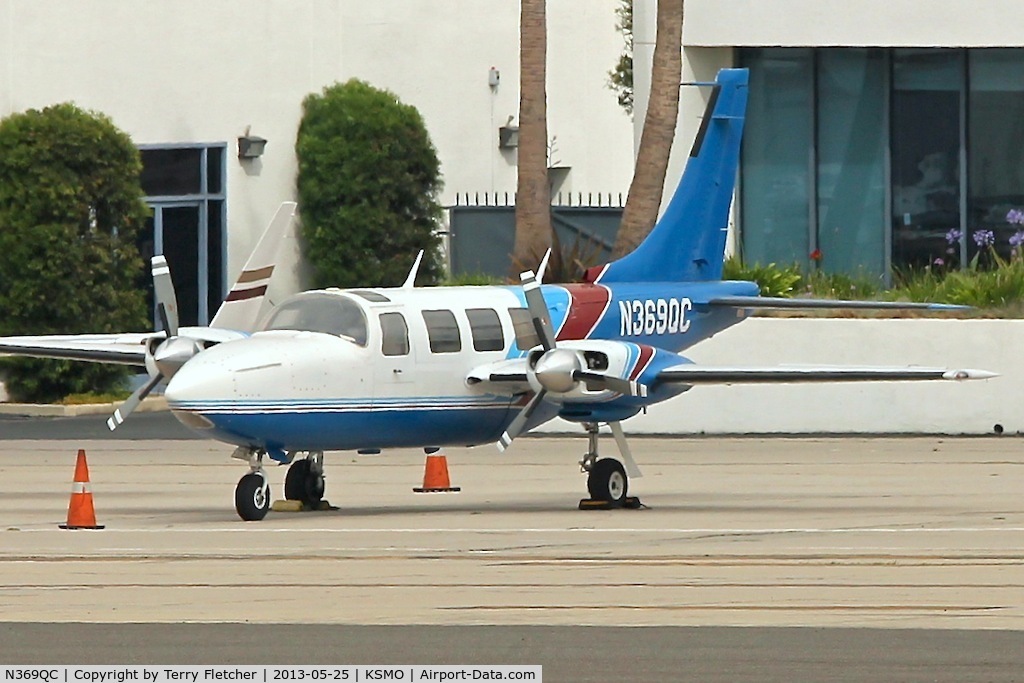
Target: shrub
<point>70,209</point>
<point>368,180</point>
<point>772,279</point>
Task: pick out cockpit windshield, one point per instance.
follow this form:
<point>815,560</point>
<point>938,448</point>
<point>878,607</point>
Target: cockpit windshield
<point>320,312</point>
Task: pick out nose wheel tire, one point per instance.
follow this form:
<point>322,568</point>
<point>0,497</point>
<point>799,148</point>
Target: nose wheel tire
<point>302,483</point>
<point>252,497</point>
<point>608,481</point>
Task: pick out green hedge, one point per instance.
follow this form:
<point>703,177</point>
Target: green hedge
<point>368,183</point>
<point>70,210</point>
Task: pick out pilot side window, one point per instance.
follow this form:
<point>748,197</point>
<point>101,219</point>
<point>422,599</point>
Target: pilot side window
<point>485,326</point>
<point>395,334</point>
<point>442,331</point>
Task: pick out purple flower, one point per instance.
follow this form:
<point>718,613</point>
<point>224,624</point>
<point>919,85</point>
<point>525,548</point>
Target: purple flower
<point>938,261</point>
<point>953,236</point>
<point>1017,238</point>
<point>984,238</point>
<point>1015,217</point>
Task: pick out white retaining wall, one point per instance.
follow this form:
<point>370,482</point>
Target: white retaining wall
<point>875,407</point>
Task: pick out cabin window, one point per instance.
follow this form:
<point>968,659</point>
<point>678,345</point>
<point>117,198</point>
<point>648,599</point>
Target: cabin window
<point>485,326</point>
<point>320,312</point>
<point>395,334</point>
<point>442,331</point>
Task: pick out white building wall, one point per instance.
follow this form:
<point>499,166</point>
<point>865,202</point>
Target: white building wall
<point>193,71</point>
<point>866,23</point>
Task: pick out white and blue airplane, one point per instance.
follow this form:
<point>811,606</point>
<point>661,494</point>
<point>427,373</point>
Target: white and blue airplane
<point>378,368</point>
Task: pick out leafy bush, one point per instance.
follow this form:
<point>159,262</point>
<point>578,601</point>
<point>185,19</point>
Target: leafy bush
<point>840,286</point>
<point>70,210</point>
<point>772,279</point>
<point>368,180</point>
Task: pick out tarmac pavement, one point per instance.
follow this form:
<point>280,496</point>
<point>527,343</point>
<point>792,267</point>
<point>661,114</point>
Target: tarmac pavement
<point>757,559</point>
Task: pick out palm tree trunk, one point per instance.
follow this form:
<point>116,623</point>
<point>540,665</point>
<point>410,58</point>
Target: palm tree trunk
<point>533,196</point>
<point>645,191</point>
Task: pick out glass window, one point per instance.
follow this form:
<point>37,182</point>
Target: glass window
<point>320,312</point>
<point>996,144</point>
<point>775,179</point>
<point>172,171</point>
<point>851,161</point>
<point>442,331</point>
<point>926,126</point>
<point>485,327</point>
<point>394,334</point>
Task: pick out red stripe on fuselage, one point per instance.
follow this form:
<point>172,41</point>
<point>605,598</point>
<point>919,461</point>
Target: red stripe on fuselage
<point>587,305</point>
<point>646,354</point>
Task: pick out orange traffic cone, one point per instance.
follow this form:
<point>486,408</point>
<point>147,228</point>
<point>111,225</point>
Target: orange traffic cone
<point>435,475</point>
<point>81,514</point>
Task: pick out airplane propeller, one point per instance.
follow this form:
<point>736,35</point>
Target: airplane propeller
<point>557,370</point>
<point>163,357</point>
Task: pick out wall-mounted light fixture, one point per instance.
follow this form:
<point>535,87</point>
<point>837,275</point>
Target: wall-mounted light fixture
<point>250,146</point>
<point>508,137</point>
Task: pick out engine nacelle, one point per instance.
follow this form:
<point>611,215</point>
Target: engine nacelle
<point>557,370</point>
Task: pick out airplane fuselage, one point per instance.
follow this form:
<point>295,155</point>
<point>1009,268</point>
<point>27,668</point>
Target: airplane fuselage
<point>384,368</point>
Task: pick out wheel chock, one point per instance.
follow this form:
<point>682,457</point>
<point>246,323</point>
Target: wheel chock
<point>629,503</point>
<point>299,506</point>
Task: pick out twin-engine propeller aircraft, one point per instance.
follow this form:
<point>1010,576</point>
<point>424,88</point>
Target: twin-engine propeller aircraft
<point>375,368</point>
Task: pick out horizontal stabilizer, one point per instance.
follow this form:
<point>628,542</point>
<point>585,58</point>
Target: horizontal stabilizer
<point>700,374</point>
<point>771,302</point>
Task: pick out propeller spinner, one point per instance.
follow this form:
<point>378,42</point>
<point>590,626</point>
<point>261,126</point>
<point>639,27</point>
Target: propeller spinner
<point>163,357</point>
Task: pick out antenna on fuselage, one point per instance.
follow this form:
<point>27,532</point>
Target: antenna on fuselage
<point>410,281</point>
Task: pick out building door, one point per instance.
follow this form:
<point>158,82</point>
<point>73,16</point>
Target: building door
<point>184,187</point>
<point>927,125</point>
<point>176,232</point>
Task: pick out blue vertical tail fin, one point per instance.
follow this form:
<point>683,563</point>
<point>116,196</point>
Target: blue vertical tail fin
<point>688,241</point>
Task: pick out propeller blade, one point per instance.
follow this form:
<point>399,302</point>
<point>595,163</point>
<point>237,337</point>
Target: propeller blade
<point>132,402</point>
<point>519,423</point>
<point>543,265</point>
<point>632,469</point>
<point>617,384</point>
<point>538,310</point>
<point>166,301</point>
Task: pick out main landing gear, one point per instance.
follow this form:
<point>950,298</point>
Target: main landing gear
<point>607,482</point>
<point>304,483</point>
<point>305,480</point>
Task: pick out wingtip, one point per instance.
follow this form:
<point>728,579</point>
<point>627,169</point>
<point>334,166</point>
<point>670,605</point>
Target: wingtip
<point>967,374</point>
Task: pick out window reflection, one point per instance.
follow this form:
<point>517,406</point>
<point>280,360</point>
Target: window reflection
<point>996,144</point>
<point>925,156</point>
<point>320,312</point>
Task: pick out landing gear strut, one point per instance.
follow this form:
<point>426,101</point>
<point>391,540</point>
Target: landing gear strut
<point>607,482</point>
<point>305,480</point>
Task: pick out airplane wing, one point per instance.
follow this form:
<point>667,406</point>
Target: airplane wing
<point>124,349</point>
<point>773,302</point>
<point>703,374</point>
<point>118,348</point>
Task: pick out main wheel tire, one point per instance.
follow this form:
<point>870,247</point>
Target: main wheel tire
<point>302,484</point>
<point>252,497</point>
<point>608,481</point>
